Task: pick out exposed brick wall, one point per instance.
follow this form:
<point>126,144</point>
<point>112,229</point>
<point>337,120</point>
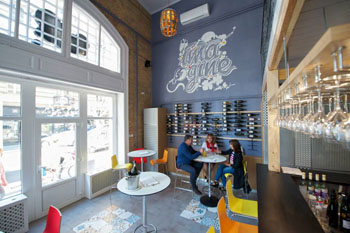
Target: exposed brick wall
<point>136,17</point>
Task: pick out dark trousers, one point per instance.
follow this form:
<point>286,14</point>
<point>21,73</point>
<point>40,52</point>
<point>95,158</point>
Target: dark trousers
<point>194,169</point>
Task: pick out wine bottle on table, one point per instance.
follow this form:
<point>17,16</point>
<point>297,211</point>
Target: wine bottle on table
<point>332,210</point>
<point>324,190</point>
<point>133,171</point>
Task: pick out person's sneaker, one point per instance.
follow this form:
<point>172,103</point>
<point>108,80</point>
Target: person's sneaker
<point>196,191</point>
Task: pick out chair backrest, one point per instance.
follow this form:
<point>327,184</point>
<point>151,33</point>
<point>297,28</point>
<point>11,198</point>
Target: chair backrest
<point>114,161</point>
<point>245,167</point>
<point>224,221</point>
<point>165,156</point>
<point>139,149</point>
<point>211,230</point>
<point>176,163</point>
<point>53,221</point>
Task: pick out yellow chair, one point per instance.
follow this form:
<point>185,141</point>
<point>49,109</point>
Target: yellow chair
<point>117,167</point>
<point>229,226</point>
<point>240,206</point>
<point>211,230</point>
<point>163,161</point>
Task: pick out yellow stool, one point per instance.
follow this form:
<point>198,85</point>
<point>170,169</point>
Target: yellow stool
<point>117,167</point>
<point>163,161</point>
<point>240,206</point>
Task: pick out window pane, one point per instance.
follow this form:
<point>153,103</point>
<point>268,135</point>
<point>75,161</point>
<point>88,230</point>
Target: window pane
<point>46,20</point>
<point>100,149</point>
<point>56,103</point>
<point>100,106</point>
<point>10,158</point>
<point>10,99</point>
<point>7,16</point>
<point>58,149</point>
<point>110,52</point>
<point>85,34</point>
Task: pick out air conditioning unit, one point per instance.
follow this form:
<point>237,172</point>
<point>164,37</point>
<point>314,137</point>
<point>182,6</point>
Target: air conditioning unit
<point>98,183</point>
<point>194,14</point>
<point>14,214</point>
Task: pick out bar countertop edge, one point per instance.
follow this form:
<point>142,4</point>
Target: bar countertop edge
<point>281,207</point>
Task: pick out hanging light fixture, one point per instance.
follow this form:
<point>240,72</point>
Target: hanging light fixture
<point>168,22</point>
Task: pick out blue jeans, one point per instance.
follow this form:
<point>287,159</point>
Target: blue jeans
<point>222,170</point>
<point>194,169</point>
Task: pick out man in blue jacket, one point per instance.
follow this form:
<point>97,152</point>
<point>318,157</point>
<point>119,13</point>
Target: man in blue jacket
<point>185,156</point>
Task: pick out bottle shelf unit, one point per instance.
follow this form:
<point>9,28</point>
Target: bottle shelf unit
<point>210,113</point>
<point>228,138</point>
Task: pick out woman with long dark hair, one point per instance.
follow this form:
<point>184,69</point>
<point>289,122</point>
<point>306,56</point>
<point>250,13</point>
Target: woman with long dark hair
<point>234,166</point>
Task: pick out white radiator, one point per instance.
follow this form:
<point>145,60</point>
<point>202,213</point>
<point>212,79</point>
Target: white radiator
<point>14,214</point>
<point>98,183</point>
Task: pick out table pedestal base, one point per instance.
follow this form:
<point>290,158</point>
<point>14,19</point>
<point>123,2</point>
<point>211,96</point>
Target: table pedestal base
<point>144,228</point>
<point>211,201</point>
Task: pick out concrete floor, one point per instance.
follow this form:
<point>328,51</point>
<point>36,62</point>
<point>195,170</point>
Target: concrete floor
<point>162,210</point>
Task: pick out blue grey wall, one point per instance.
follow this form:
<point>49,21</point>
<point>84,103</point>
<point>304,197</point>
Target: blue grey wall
<point>243,48</point>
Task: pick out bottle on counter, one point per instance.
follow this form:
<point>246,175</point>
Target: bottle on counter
<point>346,217</point>
<point>317,186</point>
<point>303,185</point>
<point>332,210</point>
<point>310,185</point>
<point>324,189</point>
<point>344,211</point>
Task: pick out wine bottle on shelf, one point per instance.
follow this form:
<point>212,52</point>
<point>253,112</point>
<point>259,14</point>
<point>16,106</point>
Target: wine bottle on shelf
<point>332,210</point>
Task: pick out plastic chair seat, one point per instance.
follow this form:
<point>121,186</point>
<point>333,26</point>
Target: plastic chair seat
<point>241,206</point>
<point>158,161</point>
<point>127,166</point>
<point>138,160</point>
<point>229,226</point>
<point>211,230</point>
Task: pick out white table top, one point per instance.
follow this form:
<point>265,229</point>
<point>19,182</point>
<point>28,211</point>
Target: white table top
<point>141,153</point>
<point>211,158</point>
<point>164,182</point>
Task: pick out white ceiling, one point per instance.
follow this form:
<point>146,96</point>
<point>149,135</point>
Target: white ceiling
<point>153,6</point>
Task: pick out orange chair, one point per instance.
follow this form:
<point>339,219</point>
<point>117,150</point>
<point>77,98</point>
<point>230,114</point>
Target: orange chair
<point>163,161</point>
<point>138,160</point>
<point>53,221</point>
<point>229,226</point>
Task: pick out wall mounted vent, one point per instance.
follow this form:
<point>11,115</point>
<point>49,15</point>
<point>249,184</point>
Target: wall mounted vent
<point>194,14</point>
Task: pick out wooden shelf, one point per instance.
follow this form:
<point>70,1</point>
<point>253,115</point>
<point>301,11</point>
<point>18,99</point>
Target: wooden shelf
<point>203,136</point>
<point>209,113</point>
<point>320,54</point>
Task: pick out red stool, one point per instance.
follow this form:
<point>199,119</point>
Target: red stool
<point>53,221</point>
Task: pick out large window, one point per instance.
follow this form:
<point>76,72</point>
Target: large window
<point>41,22</point>
<point>10,139</point>
<point>99,132</point>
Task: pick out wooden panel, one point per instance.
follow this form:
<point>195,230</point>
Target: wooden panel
<point>162,133</point>
<point>290,11</point>
<point>320,54</point>
<point>282,73</point>
<point>273,142</point>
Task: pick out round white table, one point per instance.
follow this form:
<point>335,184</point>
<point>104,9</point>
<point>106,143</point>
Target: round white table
<point>141,154</point>
<point>210,200</point>
<point>163,181</point>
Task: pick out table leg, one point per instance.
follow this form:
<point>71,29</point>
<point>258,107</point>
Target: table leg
<point>144,224</point>
<point>209,194</point>
<point>141,164</point>
<point>209,200</point>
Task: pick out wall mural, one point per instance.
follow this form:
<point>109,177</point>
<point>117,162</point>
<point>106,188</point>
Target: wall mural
<point>202,64</point>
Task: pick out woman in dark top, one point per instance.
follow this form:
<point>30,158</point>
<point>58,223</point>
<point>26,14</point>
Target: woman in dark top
<point>234,166</point>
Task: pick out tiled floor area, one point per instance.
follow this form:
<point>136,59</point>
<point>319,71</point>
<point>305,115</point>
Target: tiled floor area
<point>163,210</point>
